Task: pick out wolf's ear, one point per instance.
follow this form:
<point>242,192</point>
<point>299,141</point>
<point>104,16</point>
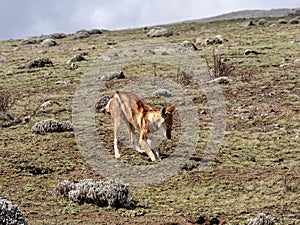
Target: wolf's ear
<point>163,112</point>
<point>171,108</point>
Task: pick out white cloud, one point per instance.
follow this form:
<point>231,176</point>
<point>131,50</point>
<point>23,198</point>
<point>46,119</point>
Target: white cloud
<point>34,17</point>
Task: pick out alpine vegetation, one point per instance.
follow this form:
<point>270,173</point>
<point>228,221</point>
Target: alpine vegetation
<point>51,125</point>
<point>10,214</point>
<point>102,193</point>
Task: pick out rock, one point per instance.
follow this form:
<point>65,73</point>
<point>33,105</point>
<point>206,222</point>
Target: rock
<point>262,219</point>
<point>294,12</point>
<point>250,51</point>
<point>77,58</point>
<point>3,59</point>
<point>9,73</point>
<point>294,21</point>
<point>71,66</point>
<point>162,93</point>
<point>48,42</point>
<point>282,21</point>
<point>112,75</point>
<point>56,36</point>
<point>10,214</point>
<point>81,34</point>
<point>159,32</point>
<point>149,52</point>
<point>36,63</point>
<point>263,22</point>
<point>95,31</point>
<point>189,45</point>
<point>220,80</point>
<point>247,24</point>
<point>111,43</point>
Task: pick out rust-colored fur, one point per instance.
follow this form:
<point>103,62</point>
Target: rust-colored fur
<point>138,115</point>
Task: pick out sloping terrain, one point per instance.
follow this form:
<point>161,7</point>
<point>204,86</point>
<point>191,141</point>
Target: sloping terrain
<point>256,169</point>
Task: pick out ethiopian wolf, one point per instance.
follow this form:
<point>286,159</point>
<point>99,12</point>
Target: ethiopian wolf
<point>137,115</point>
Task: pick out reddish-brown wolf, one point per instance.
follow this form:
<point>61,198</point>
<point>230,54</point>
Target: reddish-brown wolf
<point>136,114</point>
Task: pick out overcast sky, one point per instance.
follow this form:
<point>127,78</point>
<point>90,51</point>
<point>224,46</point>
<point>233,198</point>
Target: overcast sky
<point>22,18</point>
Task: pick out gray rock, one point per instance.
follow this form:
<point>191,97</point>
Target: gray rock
<point>159,32</point>
<point>263,22</point>
<point>48,42</point>
<point>36,63</point>
<point>77,58</point>
<point>294,21</point>
<point>81,34</point>
<point>109,57</point>
<point>95,31</point>
<point>162,93</point>
<point>282,21</point>
<point>112,75</point>
<point>247,23</point>
<point>189,45</point>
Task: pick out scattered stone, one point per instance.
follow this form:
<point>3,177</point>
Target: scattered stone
<point>149,52</point>
<point>112,75</point>
<point>10,214</point>
<point>219,39</point>
<point>159,32</point>
<point>102,102</point>
<point>48,103</point>
<point>294,12</point>
<point>16,49</point>
<point>71,66</point>
<point>77,58</point>
<point>95,31</point>
<point>51,125</point>
<point>189,45</point>
<point>26,119</point>
<point>111,43</point>
<point>36,63</point>
<point>247,24</point>
<point>162,93</point>
<point>262,219</point>
<point>101,193</point>
<point>220,80</point>
<point>48,42</point>
<point>294,21</point>
<point>59,82</point>
<point>3,59</point>
<point>81,34</point>
<point>250,51</point>
<point>263,22</point>
<point>56,36</point>
<point>282,21</point>
<point>9,73</point>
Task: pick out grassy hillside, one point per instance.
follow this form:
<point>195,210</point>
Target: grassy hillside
<point>257,168</point>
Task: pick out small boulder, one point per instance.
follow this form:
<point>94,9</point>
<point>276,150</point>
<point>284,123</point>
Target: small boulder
<point>81,34</point>
<point>49,42</point>
<point>263,22</point>
<point>159,32</point>
<point>247,24</point>
<point>162,93</point>
<point>189,45</point>
<point>282,21</point>
<point>294,21</point>
<point>77,58</point>
<point>36,63</point>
